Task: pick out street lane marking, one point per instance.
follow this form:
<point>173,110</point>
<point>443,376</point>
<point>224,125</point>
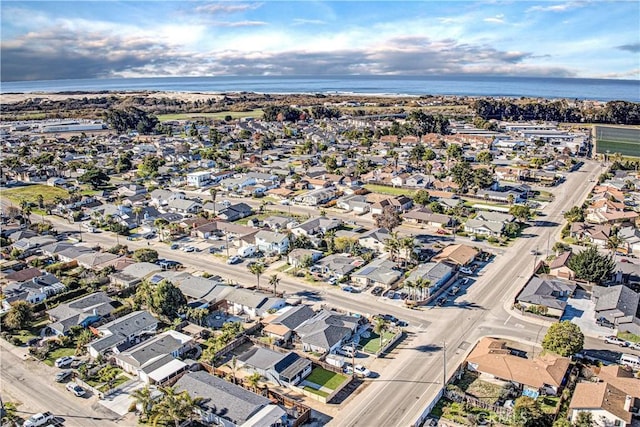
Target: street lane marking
<point>507,321</point>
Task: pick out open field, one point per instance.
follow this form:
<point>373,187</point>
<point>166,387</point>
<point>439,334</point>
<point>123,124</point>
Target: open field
<point>30,193</point>
<point>391,191</point>
<point>218,116</point>
<point>623,140</point>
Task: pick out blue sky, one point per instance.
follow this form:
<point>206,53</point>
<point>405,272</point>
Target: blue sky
<point>49,40</point>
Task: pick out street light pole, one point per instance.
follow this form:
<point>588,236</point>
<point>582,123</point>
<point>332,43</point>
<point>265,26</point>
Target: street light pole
<point>444,364</point>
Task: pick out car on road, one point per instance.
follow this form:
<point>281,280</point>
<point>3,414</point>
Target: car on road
<point>377,291</point>
<point>440,301</point>
<point>189,249</point>
<point>174,246</point>
<point>63,376</point>
<point>466,270</point>
<point>612,339</point>
<point>76,389</point>
<point>234,260</point>
<point>63,362</point>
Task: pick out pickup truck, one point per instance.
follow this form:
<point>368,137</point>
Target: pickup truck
<point>39,419</point>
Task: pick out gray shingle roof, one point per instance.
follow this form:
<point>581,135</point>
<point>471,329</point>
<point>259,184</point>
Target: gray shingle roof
<point>547,292</point>
<point>224,399</point>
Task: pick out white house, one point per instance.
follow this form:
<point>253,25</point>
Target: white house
<point>269,241</point>
<point>198,179</point>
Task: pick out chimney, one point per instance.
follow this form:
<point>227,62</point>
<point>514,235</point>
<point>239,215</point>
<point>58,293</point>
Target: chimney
<point>627,403</point>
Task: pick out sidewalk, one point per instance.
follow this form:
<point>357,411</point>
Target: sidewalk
<point>20,352</point>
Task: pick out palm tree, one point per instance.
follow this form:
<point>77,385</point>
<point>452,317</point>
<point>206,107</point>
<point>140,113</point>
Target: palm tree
<point>329,240</point>
<point>274,281</point>
<point>233,364</point>
<point>253,380</point>
<point>175,406</point>
<point>213,193</point>
<point>40,199</point>
<point>392,245</point>
<point>137,211</point>
<point>408,244</point>
<point>257,269</point>
<point>614,241</point>
<point>143,399</point>
<point>410,286</point>
<point>380,328</point>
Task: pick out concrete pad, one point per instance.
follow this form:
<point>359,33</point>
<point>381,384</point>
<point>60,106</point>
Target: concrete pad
<point>581,311</point>
<point>120,401</point>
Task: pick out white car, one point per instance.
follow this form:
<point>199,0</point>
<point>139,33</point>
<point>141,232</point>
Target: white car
<point>188,249</point>
<point>357,370</point>
<point>63,362</point>
<point>466,270</point>
<point>76,389</point>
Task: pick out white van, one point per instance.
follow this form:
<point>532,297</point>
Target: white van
<point>630,360</point>
<point>246,251</point>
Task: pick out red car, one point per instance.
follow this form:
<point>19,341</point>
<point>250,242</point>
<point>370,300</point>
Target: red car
<point>441,231</point>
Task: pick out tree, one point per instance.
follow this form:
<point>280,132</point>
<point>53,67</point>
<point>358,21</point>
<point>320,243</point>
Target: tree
<point>485,157</point>
<point>528,413</point>
<point>256,269</point>
<point>380,328</point>
<point>94,177</point>
<point>274,281</point>
<point>389,218</point>
<point>213,192</point>
<point>584,419</point>
<point>175,406</point>
<point>421,197</point>
<point>9,414</point>
<point>167,300</point>
<point>82,340</point>
<point>429,155</point>
<point>392,245</point>
<point>591,266</point>
<point>137,210</point>
<point>521,212</point>
<point>253,380</point>
<point>19,315</point>
<point>454,151</point>
<point>482,178</point>
<point>142,400</point>
<point>575,214</point>
<point>563,338</point>
<point>463,175</point>
<point>145,255</point>
<point>562,422</point>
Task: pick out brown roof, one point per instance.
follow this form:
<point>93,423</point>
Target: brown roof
<point>22,275</point>
<point>490,356</point>
<point>561,260</point>
<point>458,254</point>
<point>600,396</point>
<point>276,329</point>
<point>620,378</point>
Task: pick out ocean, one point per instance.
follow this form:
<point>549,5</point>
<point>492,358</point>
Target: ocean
<point>512,87</point>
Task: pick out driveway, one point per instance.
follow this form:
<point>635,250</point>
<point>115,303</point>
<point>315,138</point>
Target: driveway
<point>120,401</point>
<point>581,311</point>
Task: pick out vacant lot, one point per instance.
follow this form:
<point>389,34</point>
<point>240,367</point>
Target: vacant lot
<point>383,189</point>
<point>325,378</point>
<point>30,194</point>
<point>217,116</point>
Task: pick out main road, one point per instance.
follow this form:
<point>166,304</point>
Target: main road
<point>437,335</point>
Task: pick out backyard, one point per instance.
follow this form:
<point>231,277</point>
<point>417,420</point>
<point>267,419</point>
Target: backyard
<point>472,385</point>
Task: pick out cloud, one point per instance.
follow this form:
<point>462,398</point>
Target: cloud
<point>301,21</point>
<point>234,24</point>
<point>633,48</point>
<point>631,74</point>
<point>563,7</point>
<point>498,19</point>
<point>222,8</point>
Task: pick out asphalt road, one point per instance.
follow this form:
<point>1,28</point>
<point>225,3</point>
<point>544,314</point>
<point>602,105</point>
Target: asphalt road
<point>399,395</point>
<point>31,383</point>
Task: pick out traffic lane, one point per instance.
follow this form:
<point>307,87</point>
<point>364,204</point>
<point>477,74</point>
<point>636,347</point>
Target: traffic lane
<point>32,384</point>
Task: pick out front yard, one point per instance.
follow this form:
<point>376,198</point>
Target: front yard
<point>324,378</point>
<point>472,385</point>
<point>372,344</point>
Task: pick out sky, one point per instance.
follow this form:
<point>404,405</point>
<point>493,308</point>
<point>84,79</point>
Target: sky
<point>51,40</point>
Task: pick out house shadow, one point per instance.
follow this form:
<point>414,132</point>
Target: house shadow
<point>571,313</point>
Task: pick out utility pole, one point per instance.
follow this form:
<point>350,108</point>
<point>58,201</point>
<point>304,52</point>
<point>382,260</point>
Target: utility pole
<point>227,241</point>
<point>444,364</point>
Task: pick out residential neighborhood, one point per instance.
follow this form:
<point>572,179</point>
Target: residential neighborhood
<point>292,272</point>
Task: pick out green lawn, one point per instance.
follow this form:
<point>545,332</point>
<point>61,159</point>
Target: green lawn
<point>483,390</point>
<point>221,115</point>
<point>548,404</point>
<point>325,378</point>
<point>628,336</point>
<point>30,193</point>
<point>120,380</point>
<point>59,352</point>
<point>372,344</point>
<point>391,191</point>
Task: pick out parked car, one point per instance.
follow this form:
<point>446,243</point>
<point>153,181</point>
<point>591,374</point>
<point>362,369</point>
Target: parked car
<point>603,321</point>
<point>234,260</point>
<point>174,246</point>
<point>612,339</point>
<point>361,371</point>
<point>635,345</point>
<point>465,281</point>
<point>63,376</point>
<point>466,270</point>
<point>40,419</point>
<point>349,289</point>
<point>440,301</point>
<point>76,389</point>
<point>377,291</point>
<point>189,249</point>
<point>332,280</point>
<point>347,351</point>
<point>387,318</point>
<point>63,362</point>
<point>454,290</point>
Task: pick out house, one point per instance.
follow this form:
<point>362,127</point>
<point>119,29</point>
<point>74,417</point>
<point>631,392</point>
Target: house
<point>460,255</point>
<point>631,239</point>
<point>495,362</point>
<point>607,404</point>
<point>201,290</point>
<point>278,222</point>
<point>484,228</point>
<point>559,267</point>
<point>607,211</point>
<point>156,359</point>
<point>375,239</point>
<point>326,331</point>
<point>620,305</point>
<point>549,293</point>
<point>252,303</point>
<point>97,260</point>
<point>198,179</point>
<point>161,197</point>
<point>318,196</point>
<point>282,324</point>
<point>134,273</point>
<point>276,367</point>
<point>33,290</point>
<point>272,242</point>
<point>400,203</point>
<point>354,203</point>
<point>184,206</point>
<point>438,274</point>
<point>229,405</point>
<point>296,257</point>
<point>235,212</point>
<point>81,312</point>
<point>427,217</point>
<point>598,234</point>
<point>338,265</point>
<point>123,332</point>
<point>380,272</point>
<point>317,225</point>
